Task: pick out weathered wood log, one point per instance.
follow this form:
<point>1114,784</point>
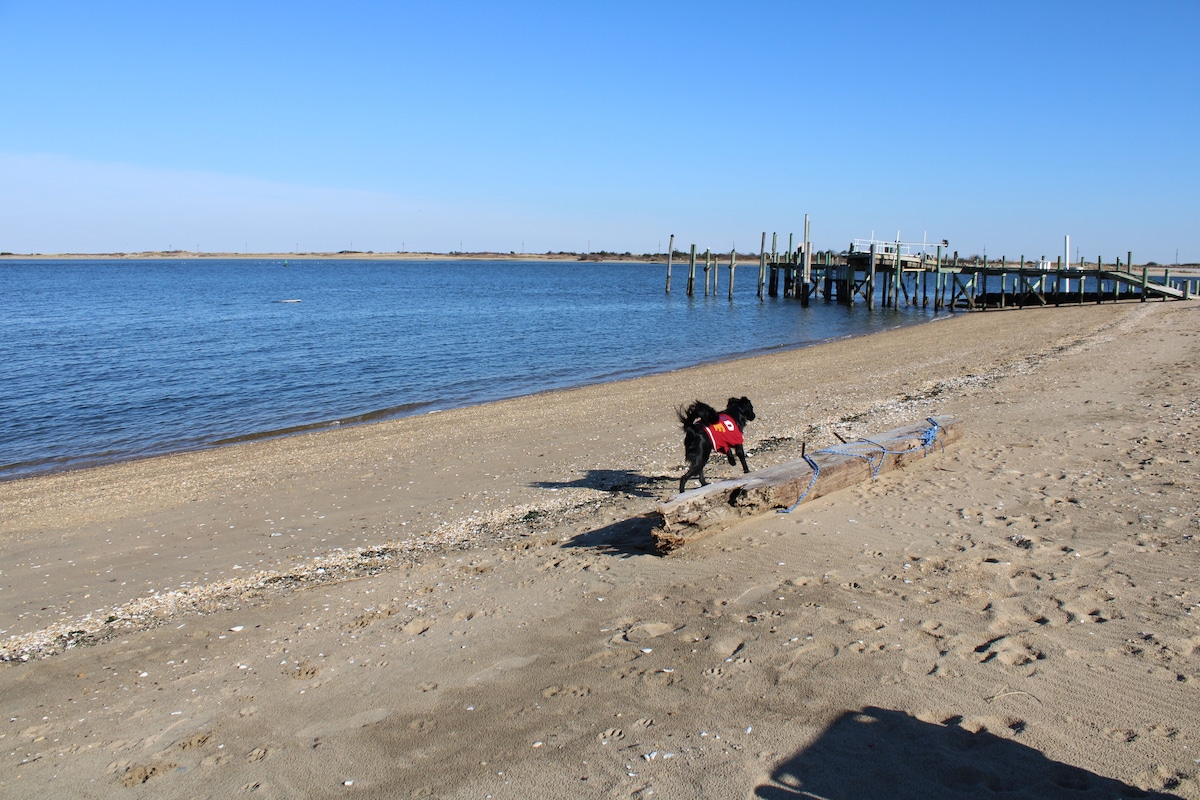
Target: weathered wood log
<point>697,513</point>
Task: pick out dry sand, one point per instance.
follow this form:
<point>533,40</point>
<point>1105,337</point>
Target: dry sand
<point>465,604</point>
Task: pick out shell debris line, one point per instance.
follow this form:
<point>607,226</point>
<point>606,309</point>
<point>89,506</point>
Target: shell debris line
<point>495,526</point>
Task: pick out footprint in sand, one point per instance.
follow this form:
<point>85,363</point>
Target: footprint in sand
<point>1006,651</point>
<point>197,740</point>
<point>812,655</point>
<point>920,656</point>
<point>138,774</point>
<point>301,670</point>
<point>501,668</point>
<point>1121,735</point>
<point>611,735</point>
<point>649,630</point>
<point>333,726</point>
<point>756,594</point>
<point>416,627</point>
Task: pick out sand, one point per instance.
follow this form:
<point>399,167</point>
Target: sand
<point>467,605</point>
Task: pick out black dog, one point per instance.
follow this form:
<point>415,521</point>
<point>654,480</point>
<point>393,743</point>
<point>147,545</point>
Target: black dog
<point>705,429</point>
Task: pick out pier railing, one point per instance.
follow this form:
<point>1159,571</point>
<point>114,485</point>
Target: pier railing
<point>921,274</point>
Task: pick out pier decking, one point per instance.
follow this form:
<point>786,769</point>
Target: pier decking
<point>892,273</point>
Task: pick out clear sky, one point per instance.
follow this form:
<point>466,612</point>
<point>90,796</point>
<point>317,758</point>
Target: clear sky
<point>279,126</point>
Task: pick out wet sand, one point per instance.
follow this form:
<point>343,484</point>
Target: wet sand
<point>467,603</point>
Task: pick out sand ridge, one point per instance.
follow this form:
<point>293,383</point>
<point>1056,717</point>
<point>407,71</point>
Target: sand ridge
<point>1016,615</point>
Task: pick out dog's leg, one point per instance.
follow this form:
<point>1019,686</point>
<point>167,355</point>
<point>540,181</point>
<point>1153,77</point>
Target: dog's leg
<point>741,454</point>
<point>694,470</point>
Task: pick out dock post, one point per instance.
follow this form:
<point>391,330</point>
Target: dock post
<point>924,281</point>
<point>1099,279</point>
<point>937,281</point>
<point>691,289</point>
<point>789,272</point>
<point>1145,279</point>
<point>1004,283</point>
<point>1058,283</point>
<point>670,252</point>
<point>806,262</point>
<point>871,278</point>
<point>806,272</point>
<point>732,267</point>
<point>773,288</point>
<point>707,259</point>
<point>762,266</point>
<point>983,276</point>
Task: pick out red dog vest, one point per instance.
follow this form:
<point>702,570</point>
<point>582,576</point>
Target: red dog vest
<point>725,434</point>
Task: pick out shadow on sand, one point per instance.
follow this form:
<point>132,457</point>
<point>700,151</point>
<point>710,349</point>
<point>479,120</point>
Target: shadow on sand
<point>876,753</point>
<point>617,481</point>
<point>624,537</point>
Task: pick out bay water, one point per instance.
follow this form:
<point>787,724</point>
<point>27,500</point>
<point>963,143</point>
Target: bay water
<point>106,360</point>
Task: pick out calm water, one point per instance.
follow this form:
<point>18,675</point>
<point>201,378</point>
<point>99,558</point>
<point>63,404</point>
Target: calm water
<point>103,361</point>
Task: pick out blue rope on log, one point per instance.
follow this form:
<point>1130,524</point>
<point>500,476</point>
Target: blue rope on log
<point>816,468</point>
<point>929,438</point>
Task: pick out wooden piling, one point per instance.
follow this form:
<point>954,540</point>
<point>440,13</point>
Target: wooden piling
<point>732,267</point>
<point>806,263</point>
<point>670,253</point>
<point>937,282</point>
<point>871,279</point>
<point>691,285</point>
<point>762,266</point>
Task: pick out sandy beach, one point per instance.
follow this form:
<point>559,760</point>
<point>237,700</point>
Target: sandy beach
<point>467,604</point>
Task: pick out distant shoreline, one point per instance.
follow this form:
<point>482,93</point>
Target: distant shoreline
<point>343,254</point>
<point>355,255</point>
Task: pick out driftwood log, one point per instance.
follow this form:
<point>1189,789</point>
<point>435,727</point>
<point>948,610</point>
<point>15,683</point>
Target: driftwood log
<point>697,513</point>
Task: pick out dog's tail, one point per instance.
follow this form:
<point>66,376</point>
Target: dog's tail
<point>697,414</point>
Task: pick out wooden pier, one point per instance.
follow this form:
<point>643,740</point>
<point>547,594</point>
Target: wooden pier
<point>895,273</point>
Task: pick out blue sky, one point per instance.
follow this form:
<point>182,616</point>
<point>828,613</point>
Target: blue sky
<point>280,126</point>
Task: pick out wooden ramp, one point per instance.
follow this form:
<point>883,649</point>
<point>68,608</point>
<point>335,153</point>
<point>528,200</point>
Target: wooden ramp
<point>1146,286</point>
<point>697,513</point>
